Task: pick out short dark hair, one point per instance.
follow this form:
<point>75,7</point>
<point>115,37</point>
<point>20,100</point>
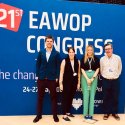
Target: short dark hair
<point>49,37</point>
<point>71,49</point>
<point>107,44</point>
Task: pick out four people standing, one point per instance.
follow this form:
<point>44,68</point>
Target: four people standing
<point>90,69</point>
<point>47,71</point>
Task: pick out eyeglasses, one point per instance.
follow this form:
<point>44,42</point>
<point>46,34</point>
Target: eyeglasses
<point>108,49</point>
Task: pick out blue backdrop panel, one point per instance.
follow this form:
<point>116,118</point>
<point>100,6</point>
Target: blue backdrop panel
<point>72,24</point>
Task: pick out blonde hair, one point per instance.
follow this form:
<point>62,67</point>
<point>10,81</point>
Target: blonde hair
<point>86,54</point>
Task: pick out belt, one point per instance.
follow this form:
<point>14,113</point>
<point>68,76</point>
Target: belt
<point>110,78</point>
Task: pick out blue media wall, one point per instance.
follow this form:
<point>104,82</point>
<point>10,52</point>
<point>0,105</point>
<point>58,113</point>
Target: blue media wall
<point>72,24</point>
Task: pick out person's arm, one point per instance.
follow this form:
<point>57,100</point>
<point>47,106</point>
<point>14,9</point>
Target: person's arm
<point>101,66</point>
<point>61,75</point>
<point>83,71</point>
<point>95,74</point>
<point>86,77</point>
<point>120,66</point>
<point>97,64</point>
<point>84,74</point>
<point>78,85</point>
<point>58,66</point>
<point>38,64</point>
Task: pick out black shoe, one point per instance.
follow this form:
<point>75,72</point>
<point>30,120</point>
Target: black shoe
<point>70,115</point>
<point>86,117</point>
<point>37,118</point>
<point>106,116</point>
<point>66,119</point>
<point>56,119</point>
<point>90,117</point>
<point>116,116</point>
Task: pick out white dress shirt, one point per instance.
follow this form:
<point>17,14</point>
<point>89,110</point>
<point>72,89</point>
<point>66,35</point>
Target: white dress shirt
<point>48,55</point>
<point>110,68</point>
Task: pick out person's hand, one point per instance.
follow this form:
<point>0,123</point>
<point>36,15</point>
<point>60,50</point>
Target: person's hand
<point>92,79</point>
<point>56,80</point>
<point>89,81</point>
<point>61,87</point>
<point>36,78</point>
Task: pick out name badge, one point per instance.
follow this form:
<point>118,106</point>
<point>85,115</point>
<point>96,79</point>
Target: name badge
<point>74,74</point>
<point>90,70</point>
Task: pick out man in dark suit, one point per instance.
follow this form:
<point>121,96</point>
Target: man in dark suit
<point>47,71</point>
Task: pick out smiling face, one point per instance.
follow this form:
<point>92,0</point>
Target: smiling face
<point>109,50</point>
<point>49,43</point>
<point>71,54</point>
<point>89,51</point>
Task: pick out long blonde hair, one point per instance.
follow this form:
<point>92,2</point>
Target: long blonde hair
<point>86,54</point>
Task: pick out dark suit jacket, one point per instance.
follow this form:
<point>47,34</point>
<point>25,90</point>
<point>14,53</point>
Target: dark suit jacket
<point>50,69</point>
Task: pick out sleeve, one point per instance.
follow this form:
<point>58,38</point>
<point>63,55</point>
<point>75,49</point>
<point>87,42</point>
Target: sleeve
<point>38,64</point>
<point>58,61</point>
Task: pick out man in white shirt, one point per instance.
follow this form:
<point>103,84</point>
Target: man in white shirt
<point>110,68</point>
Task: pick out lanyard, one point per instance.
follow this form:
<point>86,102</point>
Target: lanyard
<point>90,61</point>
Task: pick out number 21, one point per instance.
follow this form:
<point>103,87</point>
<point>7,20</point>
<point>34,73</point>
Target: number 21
<point>4,16</point>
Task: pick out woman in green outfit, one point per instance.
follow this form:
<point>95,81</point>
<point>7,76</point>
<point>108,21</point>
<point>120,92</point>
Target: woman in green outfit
<point>90,69</point>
